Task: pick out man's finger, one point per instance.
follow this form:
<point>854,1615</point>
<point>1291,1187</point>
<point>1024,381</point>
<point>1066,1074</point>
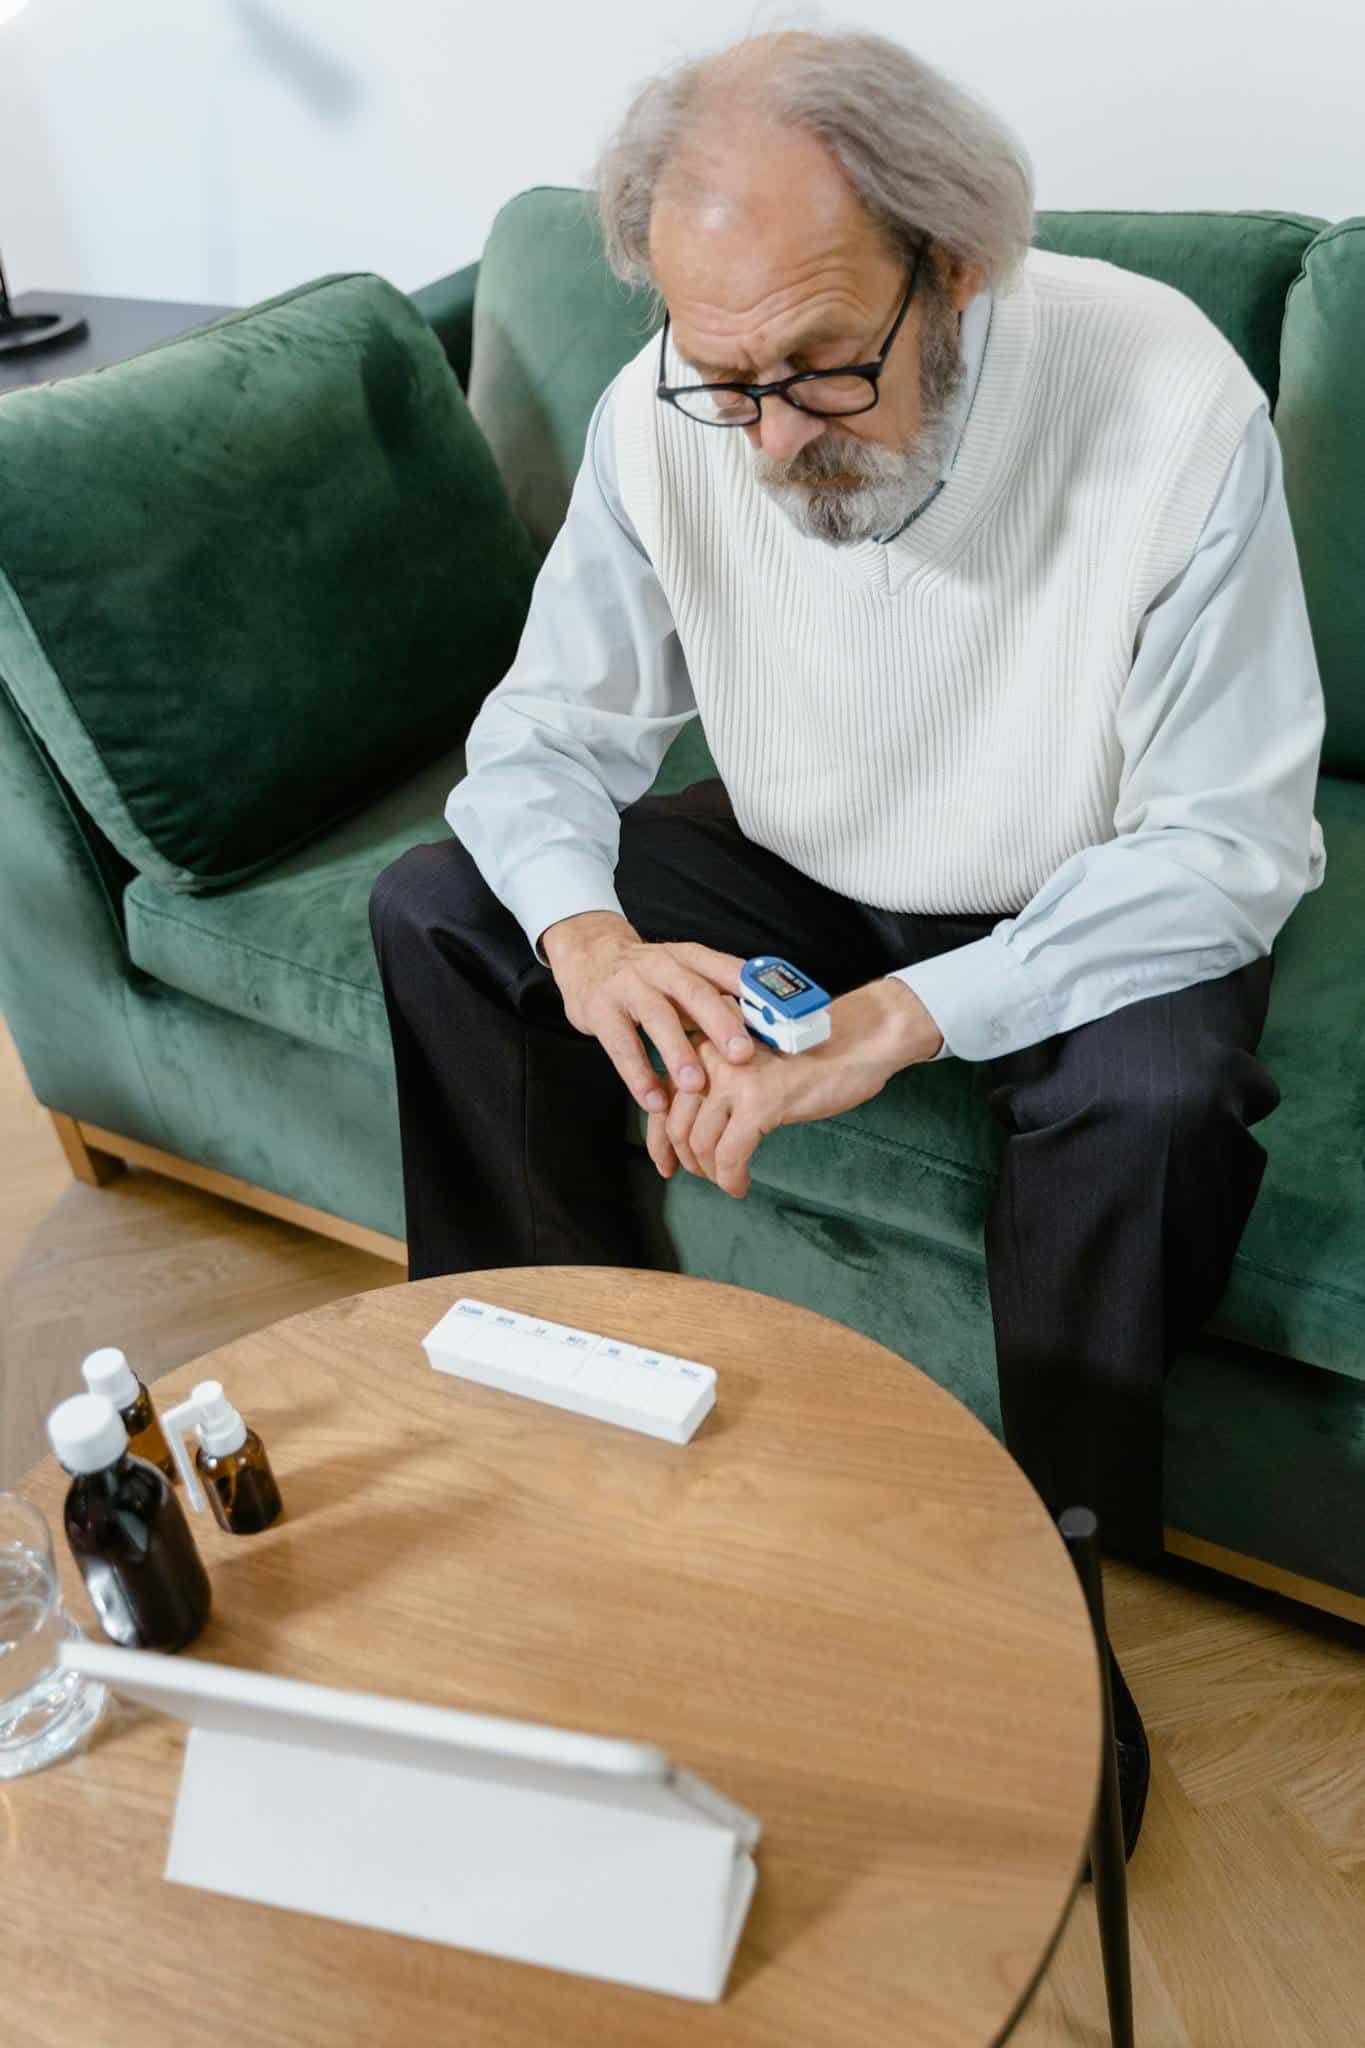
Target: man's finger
<point>733,1153</point>
<point>721,968</point>
<point>621,1042</point>
<point>717,1015</point>
<point>656,1013</point>
<point>708,1125</point>
<point>659,1147</point>
<point>678,1125</point>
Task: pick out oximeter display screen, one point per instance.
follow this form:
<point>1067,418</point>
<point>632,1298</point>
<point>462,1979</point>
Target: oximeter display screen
<point>781,982</point>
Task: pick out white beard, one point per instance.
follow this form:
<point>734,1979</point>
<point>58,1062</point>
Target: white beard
<point>892,483</point>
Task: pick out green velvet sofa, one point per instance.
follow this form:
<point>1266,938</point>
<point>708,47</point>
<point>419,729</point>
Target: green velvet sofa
<point>253,586</point>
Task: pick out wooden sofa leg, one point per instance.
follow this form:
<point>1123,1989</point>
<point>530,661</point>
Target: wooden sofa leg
<point>87,1164</point>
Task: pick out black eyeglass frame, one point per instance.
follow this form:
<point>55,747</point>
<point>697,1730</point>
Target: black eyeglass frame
<point>870,372</point>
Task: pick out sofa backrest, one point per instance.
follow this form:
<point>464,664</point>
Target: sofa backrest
<point>1321,425</point>
<point>552,327</point>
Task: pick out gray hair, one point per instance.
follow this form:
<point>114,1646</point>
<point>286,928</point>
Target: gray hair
<point>924,155</point>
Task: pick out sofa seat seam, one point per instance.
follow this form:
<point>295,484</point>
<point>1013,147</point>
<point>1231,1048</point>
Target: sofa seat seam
<point>146,909</point>
<point>976,1174</point>
<point>1282,1278</point>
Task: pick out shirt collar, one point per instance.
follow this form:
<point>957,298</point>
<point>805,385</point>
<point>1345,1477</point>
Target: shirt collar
<point>973,326</point>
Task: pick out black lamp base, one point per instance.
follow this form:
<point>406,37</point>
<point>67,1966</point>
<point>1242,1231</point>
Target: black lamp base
<point>24,333</point>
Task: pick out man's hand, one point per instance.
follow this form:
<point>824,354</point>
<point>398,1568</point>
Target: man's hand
<point>612,981</point>
<point>875,1031</point>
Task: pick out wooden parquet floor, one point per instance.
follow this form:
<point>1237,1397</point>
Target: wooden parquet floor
<point>1248,1886</point>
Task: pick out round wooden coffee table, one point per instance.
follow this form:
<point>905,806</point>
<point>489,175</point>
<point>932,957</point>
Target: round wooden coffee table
<point>841,1602</point>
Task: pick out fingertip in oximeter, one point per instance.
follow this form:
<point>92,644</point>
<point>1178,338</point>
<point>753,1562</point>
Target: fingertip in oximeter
<point>782,1006</point>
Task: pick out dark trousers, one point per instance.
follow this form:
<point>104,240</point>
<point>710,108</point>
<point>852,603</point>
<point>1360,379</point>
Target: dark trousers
<point>1128,1175</point>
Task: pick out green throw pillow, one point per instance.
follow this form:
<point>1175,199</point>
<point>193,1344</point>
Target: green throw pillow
<point>254,576</point>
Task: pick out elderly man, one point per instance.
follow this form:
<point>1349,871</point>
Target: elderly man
<point>975,563</point>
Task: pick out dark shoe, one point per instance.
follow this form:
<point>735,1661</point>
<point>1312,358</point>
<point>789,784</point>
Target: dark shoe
<point>1134,1757</point>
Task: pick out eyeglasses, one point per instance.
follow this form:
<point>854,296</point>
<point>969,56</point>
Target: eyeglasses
<point>830,393</point>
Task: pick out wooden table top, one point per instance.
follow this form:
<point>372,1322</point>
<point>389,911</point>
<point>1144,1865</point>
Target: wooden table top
<point>841,1602</point>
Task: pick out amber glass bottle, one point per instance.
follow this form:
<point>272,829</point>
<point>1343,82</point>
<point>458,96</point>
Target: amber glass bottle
<point>127,1532</point>
<point>241,1486</point>
<point>230,1460</point>
<point>108,1372</point>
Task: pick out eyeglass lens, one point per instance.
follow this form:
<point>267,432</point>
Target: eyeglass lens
<point>828,395</point>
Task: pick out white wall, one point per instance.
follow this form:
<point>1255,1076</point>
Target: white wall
<point>222,150</point>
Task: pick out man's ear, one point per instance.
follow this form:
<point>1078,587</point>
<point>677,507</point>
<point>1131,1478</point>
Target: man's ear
<point>960,280</point>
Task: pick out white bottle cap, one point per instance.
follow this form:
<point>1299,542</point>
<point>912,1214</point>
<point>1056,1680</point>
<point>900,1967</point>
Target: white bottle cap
<point>87,1433</point>
<point>216,1423</point>
<point>108,1372</point>
<point>221,1428</point>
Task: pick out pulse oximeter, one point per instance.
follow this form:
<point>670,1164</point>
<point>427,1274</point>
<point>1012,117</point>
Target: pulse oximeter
<point>784,1008</point>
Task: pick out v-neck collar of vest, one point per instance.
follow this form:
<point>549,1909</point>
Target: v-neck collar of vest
<point>980,467</point>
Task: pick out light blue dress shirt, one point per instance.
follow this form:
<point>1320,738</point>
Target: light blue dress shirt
<point>1220,725</point>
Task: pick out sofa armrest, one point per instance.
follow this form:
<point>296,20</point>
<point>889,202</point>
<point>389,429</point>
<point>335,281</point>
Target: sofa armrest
<point>447,305</point>
<point>65,975</point>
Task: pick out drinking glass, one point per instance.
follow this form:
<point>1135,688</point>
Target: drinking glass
<point>44,1711</point>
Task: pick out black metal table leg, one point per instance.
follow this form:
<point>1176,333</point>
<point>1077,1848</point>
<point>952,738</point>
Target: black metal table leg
<point>1080,1532</point>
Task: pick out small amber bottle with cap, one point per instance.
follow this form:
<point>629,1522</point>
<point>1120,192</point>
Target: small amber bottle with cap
<point>230,1460</point>
<point>107,1372</point>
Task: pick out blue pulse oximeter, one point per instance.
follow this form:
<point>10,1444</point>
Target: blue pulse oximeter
<point>783,1007</point>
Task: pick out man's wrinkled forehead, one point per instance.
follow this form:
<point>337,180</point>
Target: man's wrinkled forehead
<point>766,245</point>
<point>725,317</point>
<point>798,338</point>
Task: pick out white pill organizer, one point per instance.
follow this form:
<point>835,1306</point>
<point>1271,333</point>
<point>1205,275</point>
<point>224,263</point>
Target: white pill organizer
<point>606,1378</point>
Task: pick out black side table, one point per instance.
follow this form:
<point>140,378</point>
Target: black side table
<point>116,329</point>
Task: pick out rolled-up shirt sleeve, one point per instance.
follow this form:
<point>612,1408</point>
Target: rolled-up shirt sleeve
<point>1220,726</point>
<point>577,728</point>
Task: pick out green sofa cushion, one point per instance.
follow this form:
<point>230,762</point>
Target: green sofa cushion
<point>292,948</point>
<point>1237,267</point>
<point>922,1156</point>
<point>1321,425</point>
<point>255,575</point>
<point>552,326</point>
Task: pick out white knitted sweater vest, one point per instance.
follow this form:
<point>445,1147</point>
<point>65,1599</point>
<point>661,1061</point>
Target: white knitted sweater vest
<point>930,724</point>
